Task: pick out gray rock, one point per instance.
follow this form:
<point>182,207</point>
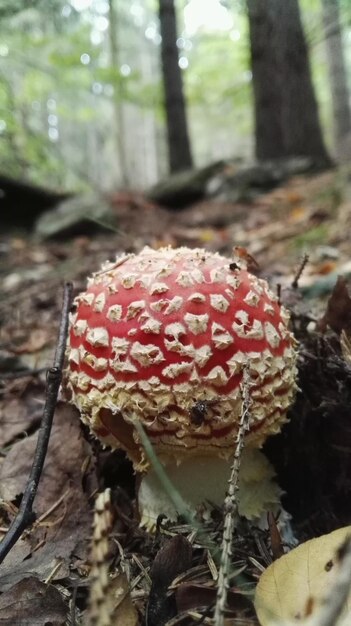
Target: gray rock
<point>236,184</point>
<point>230,181</point>
<point>183,188</point>
<point>80,215</point>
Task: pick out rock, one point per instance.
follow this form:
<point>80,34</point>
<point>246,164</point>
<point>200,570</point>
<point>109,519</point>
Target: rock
<point>228,181</point>
<point>183,188</point>
<point>235,184</point>
<point>21,202</point>
<point>80,215</point>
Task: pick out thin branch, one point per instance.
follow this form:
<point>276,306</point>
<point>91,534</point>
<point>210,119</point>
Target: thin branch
<point>25,515</point>
<point>231,504</point>
<point>295,282</point>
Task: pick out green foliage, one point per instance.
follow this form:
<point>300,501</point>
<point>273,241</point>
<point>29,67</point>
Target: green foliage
<point>44,75</point>
<point>318,235</point>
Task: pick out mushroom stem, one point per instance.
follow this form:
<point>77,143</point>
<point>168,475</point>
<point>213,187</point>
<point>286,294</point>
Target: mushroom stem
<point>202,481</point>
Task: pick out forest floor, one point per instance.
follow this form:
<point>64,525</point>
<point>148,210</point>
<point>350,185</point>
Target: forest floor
<point>45,577</point>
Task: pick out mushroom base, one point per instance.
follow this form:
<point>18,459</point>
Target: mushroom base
<point>202,481</point>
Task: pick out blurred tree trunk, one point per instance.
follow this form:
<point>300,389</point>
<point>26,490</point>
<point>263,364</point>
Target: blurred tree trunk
<point>118,95</point>
<point>177,130</point>
<point>286,113</point>
<point>337,73</point>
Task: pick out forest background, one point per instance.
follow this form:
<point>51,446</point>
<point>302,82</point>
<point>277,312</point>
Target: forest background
<point>81,87</point>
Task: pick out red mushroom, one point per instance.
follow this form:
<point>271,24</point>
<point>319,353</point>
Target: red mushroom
<point>163,337</point>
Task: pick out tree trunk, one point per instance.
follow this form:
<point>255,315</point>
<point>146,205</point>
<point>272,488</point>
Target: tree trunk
<point>286,113</point>
<point>177,131</point>
<point>337,73</point>
<point>118,97</point>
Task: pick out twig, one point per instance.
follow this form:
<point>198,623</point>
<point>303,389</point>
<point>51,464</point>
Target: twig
<point>25,514</point>
<point>231,504</point>
<point>300,269</point>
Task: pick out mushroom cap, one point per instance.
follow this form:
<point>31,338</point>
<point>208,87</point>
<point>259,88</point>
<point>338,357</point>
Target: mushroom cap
<point>163,337</point>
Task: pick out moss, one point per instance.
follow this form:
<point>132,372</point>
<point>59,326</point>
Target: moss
<point>317,235</point>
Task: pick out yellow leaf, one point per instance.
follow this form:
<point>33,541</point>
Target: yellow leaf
<point>295,585</point>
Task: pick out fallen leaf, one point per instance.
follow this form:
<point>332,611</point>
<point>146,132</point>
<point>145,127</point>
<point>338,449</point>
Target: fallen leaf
<point>194,595</point>
<point>294,586</point>
<point>325,267</point>
<point>173,558</point>
<point>62,536</point>
<point>125,612</point>
<point>245,259</point>
<point>38,338</point>
<point>32,603</point>
<point>338,313</point>
<point>18,415</point>
<point>298,214</point>
<point>293,196</point>
<point>345,343</point>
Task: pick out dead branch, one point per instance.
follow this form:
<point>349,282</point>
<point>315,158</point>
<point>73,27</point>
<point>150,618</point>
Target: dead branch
<point>231,504</point>
<point>26,515</point>
<point>300,269</point>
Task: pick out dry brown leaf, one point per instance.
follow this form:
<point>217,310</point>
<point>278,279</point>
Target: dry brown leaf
<point>18,416</point>
<point>245,259</point>
<point>125,613</point>
<point>294,586</point>
<point>338,313</point>
<point>32,603</point>
<point>38,338</point>
<point>194,595</point>
<point>172,559</point>
<point>65,531</point>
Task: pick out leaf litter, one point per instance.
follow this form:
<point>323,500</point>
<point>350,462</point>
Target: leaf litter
<point>46,571</point>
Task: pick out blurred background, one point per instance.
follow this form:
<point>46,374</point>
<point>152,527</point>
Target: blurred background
<point>110,94</point>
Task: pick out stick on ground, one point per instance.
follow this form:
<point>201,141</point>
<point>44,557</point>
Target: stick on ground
<point>25,515</point>
<point>300,269</point>
<point>231,505</point>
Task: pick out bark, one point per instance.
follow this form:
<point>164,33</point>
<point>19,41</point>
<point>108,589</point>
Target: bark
<point>337,73</point>
<point>177,130</point>
<point>118,98</point>
<point>286,113</point>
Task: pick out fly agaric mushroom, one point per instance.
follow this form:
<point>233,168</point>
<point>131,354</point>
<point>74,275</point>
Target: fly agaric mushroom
<point>163,337</point>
